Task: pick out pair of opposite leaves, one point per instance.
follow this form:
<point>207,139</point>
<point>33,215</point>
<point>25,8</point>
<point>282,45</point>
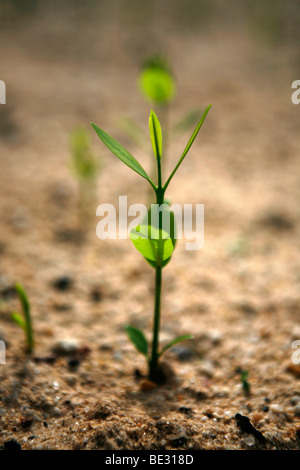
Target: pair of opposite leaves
<point>152,240</point>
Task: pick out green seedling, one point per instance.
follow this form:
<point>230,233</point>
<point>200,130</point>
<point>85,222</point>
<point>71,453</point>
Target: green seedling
<point>85,167</point>
<point>25,321</point>
<point>152,239</point>
<point>244,380</point>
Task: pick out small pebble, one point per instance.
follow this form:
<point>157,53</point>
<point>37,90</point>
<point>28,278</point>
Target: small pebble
<point>146,385</point>
<point>65,347</point>
<point>73,362</point>
<point>185,410</point>
<point>63,283</point>
<point>276,409</point>
<point>257,417</point>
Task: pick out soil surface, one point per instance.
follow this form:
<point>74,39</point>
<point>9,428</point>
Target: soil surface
<point>85,386</point>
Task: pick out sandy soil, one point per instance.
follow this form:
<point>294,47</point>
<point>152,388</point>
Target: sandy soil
<point>239,296</point>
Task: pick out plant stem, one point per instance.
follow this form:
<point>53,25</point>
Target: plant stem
<point>29,335</point>
<point>153,364</point>
<point>28,331</point>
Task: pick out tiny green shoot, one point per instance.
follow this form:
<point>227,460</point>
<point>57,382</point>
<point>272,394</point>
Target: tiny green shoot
<point>25,321</point>
<point>85,167</point>
<point>244,380</point>
<point>152,239</point>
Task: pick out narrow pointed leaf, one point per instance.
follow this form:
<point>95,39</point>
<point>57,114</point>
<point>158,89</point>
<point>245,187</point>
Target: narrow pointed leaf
<point>189,144</point>
<point>137,337</point>
<point>175,341</point>
<point>155,135</point>
<point>16,317</point>
<point>119,151</point>
<point>27,317</point>
<point>23,299</point>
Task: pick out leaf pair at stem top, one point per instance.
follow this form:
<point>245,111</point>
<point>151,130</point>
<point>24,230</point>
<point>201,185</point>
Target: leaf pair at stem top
<point>156,139</point>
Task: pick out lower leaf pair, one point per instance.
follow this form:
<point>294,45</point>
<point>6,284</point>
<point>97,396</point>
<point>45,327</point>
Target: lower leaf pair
<point>139,340</point>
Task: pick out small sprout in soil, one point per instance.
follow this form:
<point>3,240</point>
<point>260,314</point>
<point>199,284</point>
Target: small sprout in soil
<point>85,167</point>
<point>151,239</point>
<point>25,321</point>
<point>244,380</point>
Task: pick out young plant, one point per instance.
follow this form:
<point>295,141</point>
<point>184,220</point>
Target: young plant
<point>85,167</point>
<point>25,321</point>
<point>153,238</point>
<point>244,380</point>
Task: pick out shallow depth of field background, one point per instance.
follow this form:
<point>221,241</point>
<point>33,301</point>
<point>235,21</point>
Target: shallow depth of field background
<point>68,63</point>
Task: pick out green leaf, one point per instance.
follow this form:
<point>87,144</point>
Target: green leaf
<point>155,135</point>
<point>175,341</point>
<point>27,317</point>
<point>154,243</point>
<point>153,249</point>
<point>23,299</point>
<point>188,146</point>
<point>16,317</point>
<point>137,337</point>
<point>119,151</point>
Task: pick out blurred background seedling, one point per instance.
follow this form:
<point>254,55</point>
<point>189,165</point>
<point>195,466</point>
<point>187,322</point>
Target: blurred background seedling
<point>244,381</point>
<point>85,167</point>
<point>24,321</point>
<point>158,86</point>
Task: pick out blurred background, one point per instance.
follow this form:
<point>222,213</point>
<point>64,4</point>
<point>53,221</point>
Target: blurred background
<point>68,63</point>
